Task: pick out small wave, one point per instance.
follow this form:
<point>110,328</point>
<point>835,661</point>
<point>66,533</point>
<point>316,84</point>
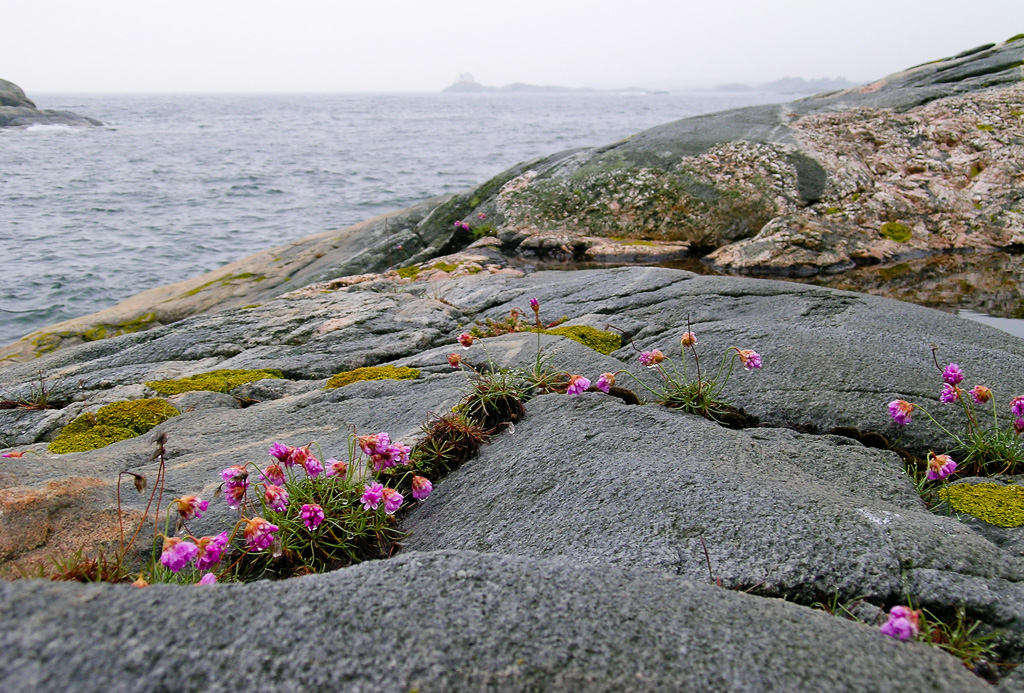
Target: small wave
<point>49,127</point>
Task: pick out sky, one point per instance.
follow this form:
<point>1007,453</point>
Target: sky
<point>423,45</point>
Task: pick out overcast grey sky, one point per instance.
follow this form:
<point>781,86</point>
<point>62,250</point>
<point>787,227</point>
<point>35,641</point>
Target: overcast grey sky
<point>423,45</point>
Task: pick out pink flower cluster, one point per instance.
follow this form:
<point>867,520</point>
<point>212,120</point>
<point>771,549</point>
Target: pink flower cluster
<point>382,452</point>
<point>312,515</point>
<point>650,359</point>
<point>178,553</point>
<point>259,533</point>
<point>236,483</point>
<point>749,358</point>
<point>903,623</point>
<point>940,466</point>
<point>291,456</point>
<point>900,410</point>
<point>191,506</point>
<point>462,225</point>
<point>577,385</point>
<point>374,493</point>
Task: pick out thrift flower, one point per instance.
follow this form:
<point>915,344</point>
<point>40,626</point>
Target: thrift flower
<point>953,375</point>
<point>210,550</point>
<point>234,494</point>
<point>259,534</point>
<point>902,623</point>
<point>940,466</point>
<point>235,474</point>
<point>281,451</point>
<point>336,468</point>
<point>749,358</point>
<point>277,498</point>
<point>273,474</point>
<point>454,360</point>
<point>606,382</point>
<point>392,500</point>
<point>373,494</point>
<point>577,385</point>
<point>313,467</point>
<point>949,394</point>
<point>481,216</point>
<point>312,515</point>
<point>535,304</point>
<point>191,506</point>
<point>15,453</point>
<point>900,411</point>
<point>208,579</point>
<point>421,487</point>
<point>466,340</point>
<point>177,553</point>
<point>980,394</point>
<point>236,481</point>
<point>650,359</point>
<point>1018,425</point>
<point>1017,406</point>
<point>688,339</point>
<point>374,444</point>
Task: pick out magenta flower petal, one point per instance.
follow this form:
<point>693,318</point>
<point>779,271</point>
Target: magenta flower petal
<point>208,579</point>
<point>421,487</point>
<point>952,374</point>
<point>259,533</point>
<point>312,515</point>
<point>373,494</point>
<point>900,411</point>
<point>177,553</point>
<point>577,385</point>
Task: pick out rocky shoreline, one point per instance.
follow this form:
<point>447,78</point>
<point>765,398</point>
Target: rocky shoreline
<point>596,543</point>
<point>18,111</point>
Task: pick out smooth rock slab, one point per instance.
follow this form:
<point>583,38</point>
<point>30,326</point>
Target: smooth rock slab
<point>448,621</point>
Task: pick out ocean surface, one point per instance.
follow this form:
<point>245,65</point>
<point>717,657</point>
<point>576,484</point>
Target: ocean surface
<point>178,185</point>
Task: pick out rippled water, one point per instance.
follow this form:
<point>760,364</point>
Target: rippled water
<point>177,185</point>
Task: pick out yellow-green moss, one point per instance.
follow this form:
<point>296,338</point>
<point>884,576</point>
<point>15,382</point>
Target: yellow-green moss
<point>45,343</point>
<point>833,210</point>
<point>895,231</point>
<point>223,380</point>
<point>114,422</point>
<point>251,306</point>
<point>1018,37</point>
<point>647,243</point>
<point>372,373</point>
<point>1002,506</point>
<point>854,197</point>
<point>475,270</point>
<point>408,272</point>
<point>445,266</point>
<point>129,326</point>
<point>224,281</point>
<point>598,340</point>
<point>984,126</point>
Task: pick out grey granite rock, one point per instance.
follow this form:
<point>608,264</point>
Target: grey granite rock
<point>17,110</point>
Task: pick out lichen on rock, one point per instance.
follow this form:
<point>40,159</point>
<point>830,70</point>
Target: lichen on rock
<point>372,373</point>
<point>598,340</point>
<point>111,423</point>
<point>1002,506</point>
<point>223,380</point>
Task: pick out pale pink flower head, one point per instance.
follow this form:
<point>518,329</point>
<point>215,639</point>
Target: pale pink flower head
<point>208,579</point>
<point>312,515</point>
<point>577,385</point>
<point>605,382</point>
<point>454,360</point>
<point>373,494</point>
<point>299,456</point>
<point>980,394</point>
<point>1017,406</point>
<point>421,487</point>
<point>652,358</point>
<point>210,550</point>
<point>688,339</point>
<point>236,481</point>
<point>313,467</point>
<point>280,451</point>
<point>749,358</point>
<point>481,216</point>
<point>177,553</point>
<point>259,533</point>
<point>900,411</point>
<point>191,506</point>
<point>902,624</point>
<point>949,394</point>
<point>392,500</point>
<point>273,474</point>
<point>235,474</point>
<point>1018,425</point>
<point>535,304</point>
<point>952,374</point>
<point>277,498</point>
<point>336,468</point>
<point>376,444</point>
<point>466,340</point>
<point>234,495</point>
<point>940,466</point>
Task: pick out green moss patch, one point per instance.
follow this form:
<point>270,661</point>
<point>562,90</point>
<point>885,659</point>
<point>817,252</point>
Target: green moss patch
<point>445,266</point>
<point>1002,506</point>
<point>598,340</point>
<point>224,281</point>
<point>114,422</point>
<point>896,232</point>
<point>985,126</point>
<point>1018,37</point>
<point>372,373</point>
<point>223,380</point>
<point>408,272</point>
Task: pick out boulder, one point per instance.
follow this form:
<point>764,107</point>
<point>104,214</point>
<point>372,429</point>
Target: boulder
<point>17,110</point>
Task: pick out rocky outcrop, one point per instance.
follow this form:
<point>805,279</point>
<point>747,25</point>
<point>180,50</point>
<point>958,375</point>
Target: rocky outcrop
<point>17,110</point>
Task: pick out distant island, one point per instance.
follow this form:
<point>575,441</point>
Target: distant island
<point>787,85</point>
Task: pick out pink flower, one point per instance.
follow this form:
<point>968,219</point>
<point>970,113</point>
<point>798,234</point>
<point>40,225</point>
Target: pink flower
<point>481,216</point>
<point>232,474</point>
<point>606,382</point>
<point>980,394</point>
<point>277,498</point>
<point>312,515</point>
<point>336,468</point>
<point>259,534</point>
<point>373,494</point>
<point>949,394</point>
<point>900,411</point>
<point>577,385</point>
<point>374,444</point>
<point>177,553</point>
<point>208,579</point>
<point>902,623</point>
<point>421,487</point>
<point>15,453</point>
<point>940,466</point>
<point>749,358</point>
<point>953,375</point>
<point>535,304</point>
<point>313,467</point>
<point>299,456</point>
<point>650,359</point>
<point>392,500</point>
<point>466,340</point>
<point>688,339</point>
<point>236,481</point>
<point>454,360</point>
<point>1018,425</point>
<point>273,474</point>
<point>1017,406</point>
<point>191,506</point>
<point>281,451</point>
<point>210,550</point>
<point>234,494</point>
